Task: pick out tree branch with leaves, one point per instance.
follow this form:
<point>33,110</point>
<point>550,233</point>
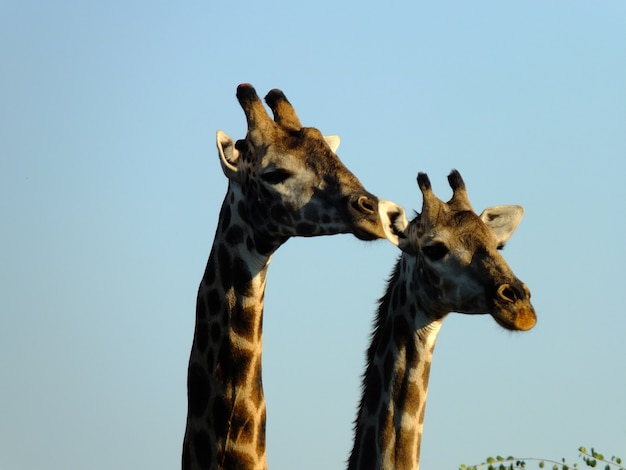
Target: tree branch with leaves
<point>590,458</point>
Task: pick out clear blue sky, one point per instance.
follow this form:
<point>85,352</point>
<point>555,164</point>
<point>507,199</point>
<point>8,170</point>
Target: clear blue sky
<point>110,189</point>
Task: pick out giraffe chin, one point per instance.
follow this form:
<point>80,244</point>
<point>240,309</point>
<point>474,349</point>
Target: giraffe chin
<point>368,232</point>
<point>522,318</point>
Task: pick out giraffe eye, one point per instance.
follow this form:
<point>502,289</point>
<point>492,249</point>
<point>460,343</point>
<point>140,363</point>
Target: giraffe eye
<point>435,251</point>
<point>275,176</point>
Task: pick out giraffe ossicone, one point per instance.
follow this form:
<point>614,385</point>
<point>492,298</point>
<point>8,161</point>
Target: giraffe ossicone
<point>449,263</point>
<point>284,180</point>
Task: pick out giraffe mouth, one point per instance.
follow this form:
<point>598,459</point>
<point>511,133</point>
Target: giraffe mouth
<point>513,309</point>
<point>519,318</point>
<point>369,232</point>
<point>394,223</point>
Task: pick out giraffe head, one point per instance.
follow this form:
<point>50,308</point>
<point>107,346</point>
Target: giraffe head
<point>289,180</point>
<point>457,265</point>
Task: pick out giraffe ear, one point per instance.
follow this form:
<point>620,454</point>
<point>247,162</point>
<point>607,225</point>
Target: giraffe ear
<point>502,220</point>
<point>333,142</point>
<point>229,155</point>
<point>395,224</point>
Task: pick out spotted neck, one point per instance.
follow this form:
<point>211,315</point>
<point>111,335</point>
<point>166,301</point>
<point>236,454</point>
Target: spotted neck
<point>226,406</point>
<point>389,424</point>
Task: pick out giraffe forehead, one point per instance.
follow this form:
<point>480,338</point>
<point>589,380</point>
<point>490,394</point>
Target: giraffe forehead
<point>312,152</point>
<point>457,228</point>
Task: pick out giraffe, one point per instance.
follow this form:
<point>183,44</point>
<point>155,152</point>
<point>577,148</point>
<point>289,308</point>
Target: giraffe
<point>449,263</point>
<point>284,180</point>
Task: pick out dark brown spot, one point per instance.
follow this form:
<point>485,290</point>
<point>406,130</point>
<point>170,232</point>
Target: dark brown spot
<point>402,294</point>
<point>311,213</point>
<point>203,449</point>
<point>305,228</point>
<point>241,277</point>
<point>410,398</point>
<point>279,214</point>
<point>265,193</point>
<point>243,321</point>
<point>209,272</point>
<point>394,298</point>
<point>263,245</point>
<point>234,235</point>
<point>201,309</point>
<point>234,364</point>
<point>369,450</point>
<point>210,358</point>
<point>213,302</point>
<point>249,243</point>
<point>223,261</point>
<point>220,415</point>
<point>225,217</point>
<point>386,336</point>
<point>400,330</point>
<point>216,331</point>
<point>242,210</point>
<point>198,389</point>
<point>201,336</point>
<point>373,389</point>
<point>388,367</point>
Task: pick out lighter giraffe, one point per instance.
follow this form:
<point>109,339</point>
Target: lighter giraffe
<point>450,263</point>
<point>284,181</point>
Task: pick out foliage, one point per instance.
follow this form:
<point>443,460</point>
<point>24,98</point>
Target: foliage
<point>589,459</point>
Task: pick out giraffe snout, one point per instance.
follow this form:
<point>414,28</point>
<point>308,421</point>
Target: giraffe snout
<point>515,311</point>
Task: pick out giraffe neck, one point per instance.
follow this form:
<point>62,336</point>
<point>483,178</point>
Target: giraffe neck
<point>388,428</point>
<point>226,406</point>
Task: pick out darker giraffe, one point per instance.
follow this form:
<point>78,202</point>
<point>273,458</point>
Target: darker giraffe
<point>450,263</point>
<point>284,181</point>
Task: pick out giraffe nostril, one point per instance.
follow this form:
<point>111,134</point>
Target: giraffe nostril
<point>366,204</point>
<point>508,293</point>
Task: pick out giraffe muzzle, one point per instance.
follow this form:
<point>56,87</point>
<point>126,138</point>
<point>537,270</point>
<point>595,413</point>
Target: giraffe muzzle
<point>515,311</point>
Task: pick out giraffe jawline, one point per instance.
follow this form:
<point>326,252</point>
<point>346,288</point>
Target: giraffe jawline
<point>368,231</point>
